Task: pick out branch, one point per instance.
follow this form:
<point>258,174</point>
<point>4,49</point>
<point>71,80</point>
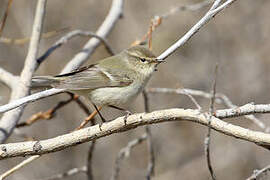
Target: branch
<point>10,119</point>
<point>124,153</point>
<point>49,114</point>
<point>9,79</point>
<point>115,13</point>
<point>220,98</point>
<point>31,98</point>
<point>24,40</point>
<point>18,166</point>
<point>150,143</point>
<point>192,7</point>
<point>207,139</point>
<point>68,173</point>
<point>258,173</point>
<point>69,36</point>
<point>136,120</point>
<point>204,20</point>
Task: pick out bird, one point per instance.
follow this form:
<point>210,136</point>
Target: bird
<point>113,81</point>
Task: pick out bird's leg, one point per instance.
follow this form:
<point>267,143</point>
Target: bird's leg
<point>91,116</point>
<point>97,109</point>
<point>128,113</point>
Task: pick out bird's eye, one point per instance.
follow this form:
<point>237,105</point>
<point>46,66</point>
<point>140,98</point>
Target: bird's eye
<point>143,60</point>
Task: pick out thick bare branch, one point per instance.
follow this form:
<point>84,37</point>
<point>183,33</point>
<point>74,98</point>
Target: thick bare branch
<point>123,124</point>
<point>10,119</point>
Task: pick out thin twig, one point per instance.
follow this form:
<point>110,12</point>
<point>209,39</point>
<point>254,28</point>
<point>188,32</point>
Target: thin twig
<point>124,153</point>
<point>220,98</point>
<point>21,41</point>
<point>83,106</point>
<point>204,20</point>
<point>192,7</point>
<point>207,139</point>
<point>90,175</point>
<point>3,23</point>
<point>150,144</point>
<point>257,173</point>
<point>91,149</point>
<point>18,166</point>
<point>192,99</point>
<point>31,98</point>
<point>47,114</point>
<point>69,36</point>
<point>68,173</point>
<point>157,19</point>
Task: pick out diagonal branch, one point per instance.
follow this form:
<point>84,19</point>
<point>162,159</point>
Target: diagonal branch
<point>115,13</point>
<point>204,20</point>
<point>18,166</point>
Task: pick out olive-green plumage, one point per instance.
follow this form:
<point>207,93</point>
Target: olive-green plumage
<point>112,81</point>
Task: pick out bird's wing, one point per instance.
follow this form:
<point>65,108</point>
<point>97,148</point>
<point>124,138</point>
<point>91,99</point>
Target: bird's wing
<point>92,77</point>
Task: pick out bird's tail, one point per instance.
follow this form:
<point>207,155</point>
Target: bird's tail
<point>44,81</point>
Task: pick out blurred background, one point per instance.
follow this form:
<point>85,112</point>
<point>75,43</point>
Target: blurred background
<point>238,39</point>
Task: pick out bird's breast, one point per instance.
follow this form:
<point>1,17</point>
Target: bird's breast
<point>116,96</point>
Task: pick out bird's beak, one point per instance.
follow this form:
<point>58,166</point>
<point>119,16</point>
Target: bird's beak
<point>158,61</point>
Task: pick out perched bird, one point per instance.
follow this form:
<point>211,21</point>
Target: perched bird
<point>113,81</point>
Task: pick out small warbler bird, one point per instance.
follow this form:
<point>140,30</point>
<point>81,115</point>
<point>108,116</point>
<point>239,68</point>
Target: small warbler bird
<point>113,81</point>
